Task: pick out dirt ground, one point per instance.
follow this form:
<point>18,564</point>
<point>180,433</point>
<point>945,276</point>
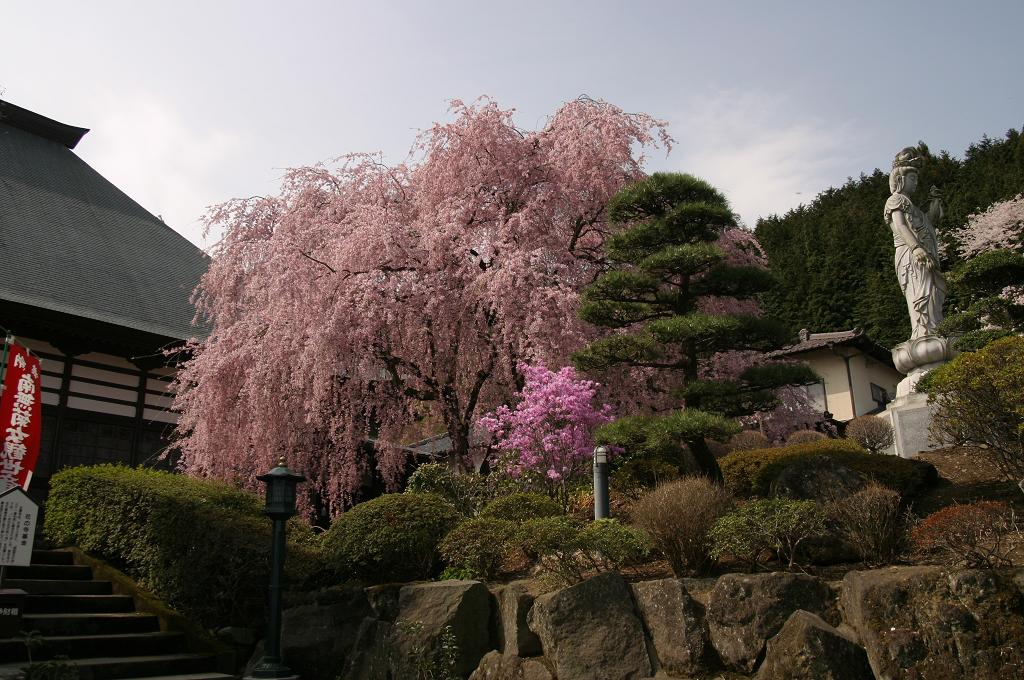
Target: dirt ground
<point>965,475</point>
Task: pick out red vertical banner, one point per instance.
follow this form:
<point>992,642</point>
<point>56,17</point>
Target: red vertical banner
<point>20,418</point>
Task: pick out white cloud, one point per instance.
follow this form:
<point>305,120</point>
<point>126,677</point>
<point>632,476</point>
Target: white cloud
<point>765,155</point>
<point>145,147</point>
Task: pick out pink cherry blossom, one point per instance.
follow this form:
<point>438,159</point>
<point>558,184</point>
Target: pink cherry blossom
<point>365,297</point>
<point>1000,226</point>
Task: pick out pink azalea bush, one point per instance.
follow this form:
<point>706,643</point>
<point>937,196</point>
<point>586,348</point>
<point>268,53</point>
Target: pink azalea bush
<point>548,436</point>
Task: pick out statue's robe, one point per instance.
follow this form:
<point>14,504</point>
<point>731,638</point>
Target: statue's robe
<point>924,288</point>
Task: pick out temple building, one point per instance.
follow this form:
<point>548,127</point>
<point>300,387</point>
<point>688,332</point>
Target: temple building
<point>98,288</point>
<point>857,374</point>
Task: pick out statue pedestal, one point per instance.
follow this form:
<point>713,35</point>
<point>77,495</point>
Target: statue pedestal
<point>906,387</point>
<point>911,416</point>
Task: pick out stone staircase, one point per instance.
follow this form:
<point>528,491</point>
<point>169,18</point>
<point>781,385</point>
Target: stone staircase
<point>99,632</point>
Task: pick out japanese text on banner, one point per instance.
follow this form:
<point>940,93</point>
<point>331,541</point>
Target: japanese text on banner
<point>20,418</point>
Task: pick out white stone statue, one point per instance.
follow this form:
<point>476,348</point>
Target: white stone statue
<point>917,268</point>
<point>917,249</point>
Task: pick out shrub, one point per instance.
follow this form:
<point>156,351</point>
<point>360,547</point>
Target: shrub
<point>678,516</point>
<point>548,436</point>
<point>611,545</point>
<point>478,546</point>
<point>553,541</point>
<point>468,492</point>
<point>774,527</point>
<point>420,660</point>
<point>546,535</point>
<point>393,537</point>
<point>581,504</point>
<point>201,546</point>
<point>569,550</point>
<point>750,473</point>
<point>637,475</point>
<point>747,440</point>
<point>872,522</point>
<point>804,437</point>
<point>871,432</point>
<point>973,535</point>
<point>979,399</point>
<point>519,507</point>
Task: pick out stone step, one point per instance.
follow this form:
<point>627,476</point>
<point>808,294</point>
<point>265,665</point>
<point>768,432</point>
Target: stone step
<point>84,646</point>
<point>78,604</point>
<point>191,676</point>
<point>50,571</point>
<point>90,624</point>
<point>52,557</point>
<point>118,667</point>
<point>59,586</point>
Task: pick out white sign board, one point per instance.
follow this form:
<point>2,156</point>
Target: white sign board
<point>18,514</point>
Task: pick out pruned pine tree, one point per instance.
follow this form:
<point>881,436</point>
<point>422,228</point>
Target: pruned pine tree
<point>666,276</point>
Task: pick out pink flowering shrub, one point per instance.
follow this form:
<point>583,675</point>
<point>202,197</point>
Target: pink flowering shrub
<point>548,435</point>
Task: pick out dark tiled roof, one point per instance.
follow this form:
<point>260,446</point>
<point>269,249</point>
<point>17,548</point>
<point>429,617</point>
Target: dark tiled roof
<point>857,338</point>
<point>72,242</point>
<point>440,445</point>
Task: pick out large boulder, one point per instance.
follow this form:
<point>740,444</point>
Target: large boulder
<point>928,622</point>
<point>744,610</point>
<point>591,630</point>
<point>433,614</point>
<point>372,655</point>
<point>498,666</point>
<point>317,639</point>
<point>384,600</point>
<point>817,479</point>
<point>514,636</point>
<point>675,623</point>
<point>807,648</point>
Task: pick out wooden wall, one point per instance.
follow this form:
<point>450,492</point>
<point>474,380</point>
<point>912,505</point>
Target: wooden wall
<point>100,408</point>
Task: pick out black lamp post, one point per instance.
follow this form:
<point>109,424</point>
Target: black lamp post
<point>281,483</point>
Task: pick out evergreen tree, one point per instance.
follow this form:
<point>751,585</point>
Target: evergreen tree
<point>990,304</point>
<point>836,254</point>
<point>666,274</point>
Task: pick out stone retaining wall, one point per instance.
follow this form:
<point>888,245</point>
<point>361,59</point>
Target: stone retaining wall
<point>884,624</point>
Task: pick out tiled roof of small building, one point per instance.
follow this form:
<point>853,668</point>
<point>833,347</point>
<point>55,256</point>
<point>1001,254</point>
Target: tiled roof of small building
<point>72,242</point>
<point>857,338</point>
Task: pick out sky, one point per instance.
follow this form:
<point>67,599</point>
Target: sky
<point>193,103</point>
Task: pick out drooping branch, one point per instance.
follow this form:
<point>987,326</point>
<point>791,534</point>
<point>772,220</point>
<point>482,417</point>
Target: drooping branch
<point>319,262</point>
<point>395,320</point>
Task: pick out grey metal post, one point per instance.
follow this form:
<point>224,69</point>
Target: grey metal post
<point>601,483</point>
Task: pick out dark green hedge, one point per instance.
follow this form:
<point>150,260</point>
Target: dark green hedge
<point>519,507</point>
<point>750,473</point>
<point>393,537</point>
<point>201,546</point>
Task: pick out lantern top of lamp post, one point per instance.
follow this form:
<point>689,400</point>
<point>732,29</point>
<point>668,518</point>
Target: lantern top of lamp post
<point>282,471</point>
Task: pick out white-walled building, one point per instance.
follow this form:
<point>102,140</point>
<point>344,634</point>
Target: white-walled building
<point>857,374</point>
